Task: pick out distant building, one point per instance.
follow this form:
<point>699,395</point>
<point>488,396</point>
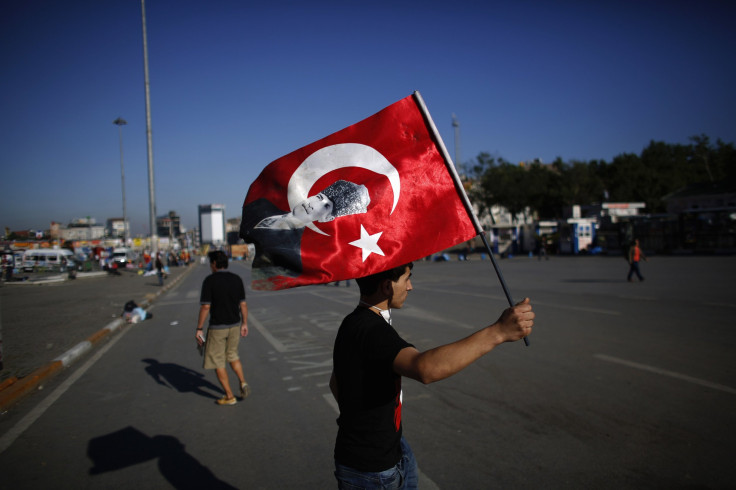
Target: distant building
<point>55,230</point>
<point>702,196</point>
<point>610,211</point>
<point>169,225</point>
<point>212,224</point>
<point>116,227</point>
<point>20,234</point>
<point>232,228</point>
<point>621,209</point>
<point>82,229</point>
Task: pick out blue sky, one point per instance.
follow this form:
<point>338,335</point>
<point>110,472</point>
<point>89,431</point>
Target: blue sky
<point>235,85</point>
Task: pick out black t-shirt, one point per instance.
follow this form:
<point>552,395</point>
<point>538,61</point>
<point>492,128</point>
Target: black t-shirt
<point>223,291</point>
<point>369,392</point>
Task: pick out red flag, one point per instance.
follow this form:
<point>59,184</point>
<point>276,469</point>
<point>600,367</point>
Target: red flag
<point>370,197</point>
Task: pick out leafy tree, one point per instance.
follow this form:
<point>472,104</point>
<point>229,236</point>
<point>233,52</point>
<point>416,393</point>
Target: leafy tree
<point>718,162</point>
<point>660,169</point>
<point>500,183</point>
<point>627,178</point>
<point>543,188</point>
<point>581,183</point>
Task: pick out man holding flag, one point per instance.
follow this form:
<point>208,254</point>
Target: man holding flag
<point>365,202</point>
<point>369,360</point>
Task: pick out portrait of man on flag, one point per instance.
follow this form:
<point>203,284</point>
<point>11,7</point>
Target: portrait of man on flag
<point>367,198</point>
<point>277,236</point>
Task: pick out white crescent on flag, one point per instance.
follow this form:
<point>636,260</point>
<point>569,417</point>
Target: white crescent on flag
<point>335,157</point>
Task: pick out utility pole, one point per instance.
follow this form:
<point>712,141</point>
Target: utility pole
<point>12,259</point>
<point>120,122</point>
<point>456,125</point>
<point>149,137</point>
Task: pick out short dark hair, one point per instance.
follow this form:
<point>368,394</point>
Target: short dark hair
<point>369,284</point>
<point>219,258</point>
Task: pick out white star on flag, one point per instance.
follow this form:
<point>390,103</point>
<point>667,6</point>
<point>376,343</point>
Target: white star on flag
<point>368,243</point>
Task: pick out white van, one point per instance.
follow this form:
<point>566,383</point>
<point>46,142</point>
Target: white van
<point>124,256</point>
<point>53,258</point>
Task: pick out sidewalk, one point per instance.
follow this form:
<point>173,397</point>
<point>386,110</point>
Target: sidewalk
<point>39,278</point>
<point>50,321</point>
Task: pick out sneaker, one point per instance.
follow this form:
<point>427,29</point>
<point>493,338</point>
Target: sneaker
<point>244,390</point>
<point>227,401</point>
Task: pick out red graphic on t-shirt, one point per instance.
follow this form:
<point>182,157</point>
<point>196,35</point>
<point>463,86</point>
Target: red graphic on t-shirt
<point>397,409</point>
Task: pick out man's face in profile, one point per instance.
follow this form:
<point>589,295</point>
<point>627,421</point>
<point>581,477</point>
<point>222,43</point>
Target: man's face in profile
<point>315,208</point>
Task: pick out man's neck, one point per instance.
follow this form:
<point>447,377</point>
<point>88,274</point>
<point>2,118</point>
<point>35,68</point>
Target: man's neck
<point>374,304</point>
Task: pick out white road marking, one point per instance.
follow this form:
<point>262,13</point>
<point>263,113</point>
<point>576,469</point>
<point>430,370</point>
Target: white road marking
<point>578,308</point>
<point>9,437</point>
<point>664,372</point>
<point>310,365</point>
<point>320,373</point>
<point>534,303</point>
<point>330,296</point>
<point>280,347</point>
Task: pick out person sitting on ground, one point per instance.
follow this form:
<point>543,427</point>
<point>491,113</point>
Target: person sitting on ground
<point>132,313</point>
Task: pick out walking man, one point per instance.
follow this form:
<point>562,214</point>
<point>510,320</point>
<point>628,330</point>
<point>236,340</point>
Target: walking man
<point>223,300</point>
<point>635,255</point>
<point>369,361</point>
<point>159,269</point>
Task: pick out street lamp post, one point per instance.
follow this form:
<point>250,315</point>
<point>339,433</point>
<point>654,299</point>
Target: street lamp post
<point>120,122</point>
<point>149,136</point>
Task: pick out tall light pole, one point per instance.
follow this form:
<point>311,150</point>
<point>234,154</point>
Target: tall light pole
<point>456,125</point>
<point>120,122</point>
<point>149,137</point>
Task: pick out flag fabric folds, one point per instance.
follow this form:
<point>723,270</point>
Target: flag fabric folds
<point>370,197</point>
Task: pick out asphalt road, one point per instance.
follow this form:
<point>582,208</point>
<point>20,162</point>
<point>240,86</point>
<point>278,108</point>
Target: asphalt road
<point>624,385</point>
<point>43,318</point>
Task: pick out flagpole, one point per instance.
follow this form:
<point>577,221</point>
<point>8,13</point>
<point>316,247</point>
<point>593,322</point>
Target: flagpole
<point>463,195</point>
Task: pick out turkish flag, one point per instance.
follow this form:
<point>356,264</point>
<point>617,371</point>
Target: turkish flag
<point>373,196</point>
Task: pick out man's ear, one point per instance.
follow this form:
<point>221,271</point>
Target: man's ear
<point>387,288</point>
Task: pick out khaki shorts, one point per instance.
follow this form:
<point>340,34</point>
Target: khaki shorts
<point>221,347</point>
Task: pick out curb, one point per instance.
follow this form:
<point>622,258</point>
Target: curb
<point>13,389</point>
<point>56,278</point>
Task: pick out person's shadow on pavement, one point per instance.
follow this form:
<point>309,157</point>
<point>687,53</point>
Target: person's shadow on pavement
<point>129,446</point>
<point>180,378</point>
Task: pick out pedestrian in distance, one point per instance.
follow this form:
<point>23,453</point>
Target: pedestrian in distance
<point>8,263</point>
<point>542,248</point>
<point>635,255</point>
<point>223,300</point>
<point>159,269</point>
<point>369,361</point>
